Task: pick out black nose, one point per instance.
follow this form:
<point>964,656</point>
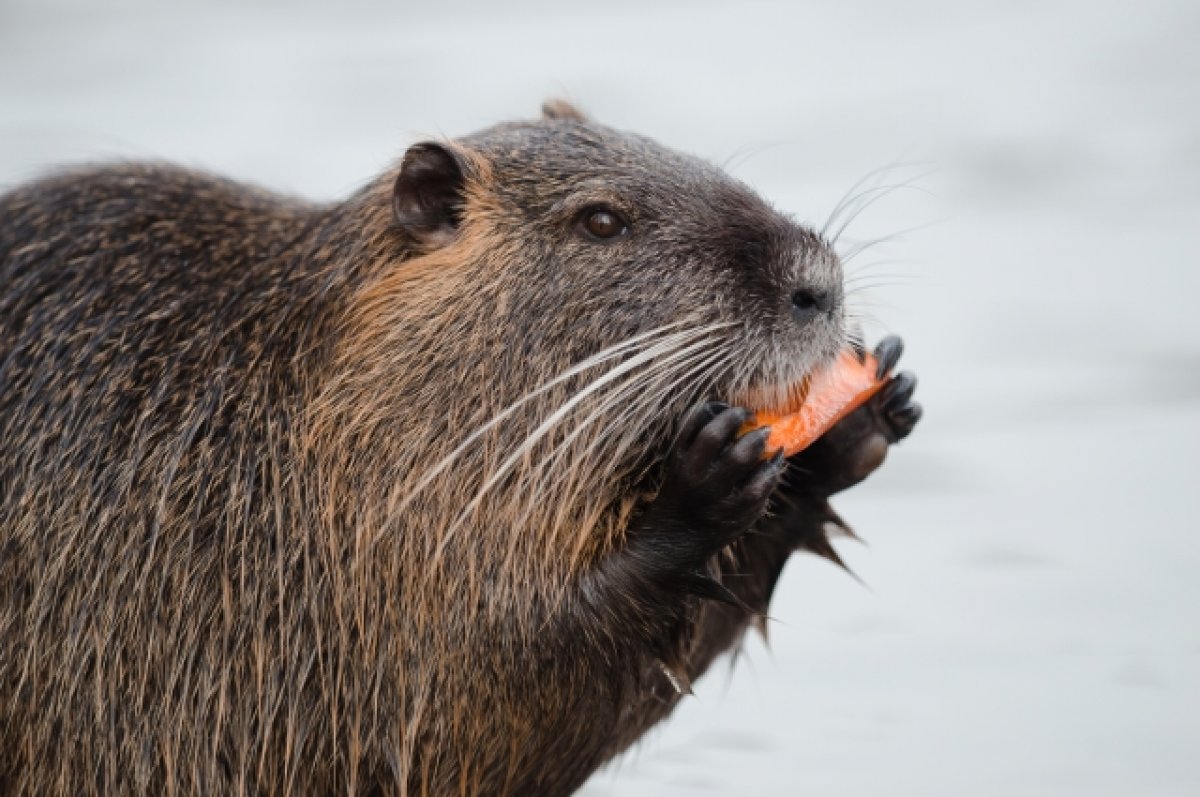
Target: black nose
<point>808,303</point>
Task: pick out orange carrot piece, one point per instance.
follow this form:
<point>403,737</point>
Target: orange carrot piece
<point>833,393</point>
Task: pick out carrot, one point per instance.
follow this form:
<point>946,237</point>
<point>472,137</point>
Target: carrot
<point>833,393</point>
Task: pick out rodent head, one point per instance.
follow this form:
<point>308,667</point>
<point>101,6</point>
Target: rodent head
<point>610,235</point>
<point>540,304</point>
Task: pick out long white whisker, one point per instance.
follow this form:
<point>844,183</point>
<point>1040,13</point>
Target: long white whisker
<point>537,434</point>
<point>688,380</point>
<point>591,362</point>
<point>648,388</point>
<point>554,418</point>
<point>549,473</point>
<point>645,415</point>
<point>635,386</point>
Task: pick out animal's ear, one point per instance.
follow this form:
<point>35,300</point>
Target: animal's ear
<point>427,198</point>
<point>561,109</point>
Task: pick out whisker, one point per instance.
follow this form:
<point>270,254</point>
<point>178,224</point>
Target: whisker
<point>690,372</point>
<point>648,388</point>
<point>864,268</point>
<point>592,361</point>
<point>645,417</point>
<point>860,286</point>
<point>858,316</point>
<point>874,305</point>
<point>648,357</point>
<point>850,194</point>
<point>639,386</point>
<point>864,246</point>
<point>870,196</point>
<point>885,278</point>
<point>747,151</point>
<point>554,418</point>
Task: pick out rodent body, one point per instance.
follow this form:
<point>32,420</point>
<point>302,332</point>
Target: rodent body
<point>392,495</point>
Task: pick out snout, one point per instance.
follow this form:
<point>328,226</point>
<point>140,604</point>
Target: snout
<point>812,302</point>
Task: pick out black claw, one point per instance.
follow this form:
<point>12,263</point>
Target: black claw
<point>697,419</point>
<point>715,408</point>
<point>749,447</point>
<point>717,433</point>
<point>905,418</point>
<point>764,480</point>
<point>899,391</point>
<point>888,353</point>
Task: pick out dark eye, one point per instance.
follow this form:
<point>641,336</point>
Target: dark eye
<point>603,224</point>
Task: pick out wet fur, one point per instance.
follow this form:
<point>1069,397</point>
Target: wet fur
<point>220,569</point>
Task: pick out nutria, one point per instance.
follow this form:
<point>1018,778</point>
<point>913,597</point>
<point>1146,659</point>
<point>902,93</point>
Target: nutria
<point>430,491</point>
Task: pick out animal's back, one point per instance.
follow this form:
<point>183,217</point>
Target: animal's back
<point>133,260</point>
<point>152,345</point>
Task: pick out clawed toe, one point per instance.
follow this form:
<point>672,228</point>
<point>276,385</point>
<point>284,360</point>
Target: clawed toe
<point>900,413</point>
<point>697,420</point>
<point>888,354</point>
<point>899,391</point>
<point>748,449</point>
<point>904,419</point>
<point>764,480</point>
<point>713,439</point>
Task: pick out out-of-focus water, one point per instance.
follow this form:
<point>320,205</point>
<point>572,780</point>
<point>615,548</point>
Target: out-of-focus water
<point>1032,623</point>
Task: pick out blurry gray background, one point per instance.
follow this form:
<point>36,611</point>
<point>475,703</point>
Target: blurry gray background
<point>1031,624</point>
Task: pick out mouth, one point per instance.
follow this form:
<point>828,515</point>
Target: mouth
<point>778,399</point>
<point>773,363</point>
<point>781,384</point>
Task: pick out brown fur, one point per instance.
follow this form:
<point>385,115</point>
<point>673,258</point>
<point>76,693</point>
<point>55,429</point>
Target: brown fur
<point>224,565</point>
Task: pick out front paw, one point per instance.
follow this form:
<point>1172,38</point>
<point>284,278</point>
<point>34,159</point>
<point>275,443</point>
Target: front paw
<point>897,414</point>
<point>857,445</point>
<point>715,486</point>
